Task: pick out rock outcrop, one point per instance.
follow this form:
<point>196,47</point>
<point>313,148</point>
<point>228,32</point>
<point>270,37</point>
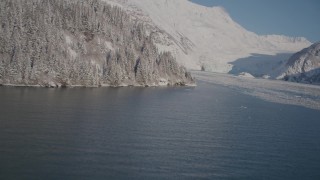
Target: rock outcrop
<point>80,43</point>
<point>304,66</point>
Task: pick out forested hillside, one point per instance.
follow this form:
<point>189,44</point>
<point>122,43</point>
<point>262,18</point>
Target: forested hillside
<point>79,42</point>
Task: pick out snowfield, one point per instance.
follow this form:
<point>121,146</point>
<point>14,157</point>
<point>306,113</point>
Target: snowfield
<point>207,37</point>
<point>271,90</point>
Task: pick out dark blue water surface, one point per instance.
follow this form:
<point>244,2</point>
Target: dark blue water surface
<point>208,132</point>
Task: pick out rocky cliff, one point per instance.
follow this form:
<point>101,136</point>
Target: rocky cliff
<point>80,43</point>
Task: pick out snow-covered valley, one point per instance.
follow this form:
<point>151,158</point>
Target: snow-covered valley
<point>208,38</point>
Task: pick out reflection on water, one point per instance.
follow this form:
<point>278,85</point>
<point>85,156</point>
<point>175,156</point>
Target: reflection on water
<point>134,133</point>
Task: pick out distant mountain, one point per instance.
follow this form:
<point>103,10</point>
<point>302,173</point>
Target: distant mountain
<point>304,66</point>
<point>205,37</point>
<point>80,43</point>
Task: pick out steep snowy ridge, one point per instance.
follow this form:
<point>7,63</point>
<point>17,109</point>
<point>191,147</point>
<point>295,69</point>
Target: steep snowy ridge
<point>204,37</point>
<point>304,66</point>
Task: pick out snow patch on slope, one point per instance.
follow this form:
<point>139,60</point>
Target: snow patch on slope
<point>245,75</point>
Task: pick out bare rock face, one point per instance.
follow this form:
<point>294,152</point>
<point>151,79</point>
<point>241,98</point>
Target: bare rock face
<point>304,66</point>
<point>80,43</point>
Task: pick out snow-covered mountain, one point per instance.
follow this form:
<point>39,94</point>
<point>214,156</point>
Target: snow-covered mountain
<point>80,43</point>
<point>304,66</point>
<point>204,37</point>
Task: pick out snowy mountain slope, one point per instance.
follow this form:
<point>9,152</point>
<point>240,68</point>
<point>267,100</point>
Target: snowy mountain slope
<point>304,66</point>
<point>80,43</point>
<point>202,36</point>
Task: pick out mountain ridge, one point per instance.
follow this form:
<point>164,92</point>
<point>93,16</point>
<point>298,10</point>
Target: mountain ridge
<point>205,37</point>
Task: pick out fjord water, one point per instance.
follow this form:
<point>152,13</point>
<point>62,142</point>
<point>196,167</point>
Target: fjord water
<point>208,132</point>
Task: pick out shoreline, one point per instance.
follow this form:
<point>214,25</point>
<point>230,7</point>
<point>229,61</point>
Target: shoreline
<point>100,86</point>
<point>277,91</point>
